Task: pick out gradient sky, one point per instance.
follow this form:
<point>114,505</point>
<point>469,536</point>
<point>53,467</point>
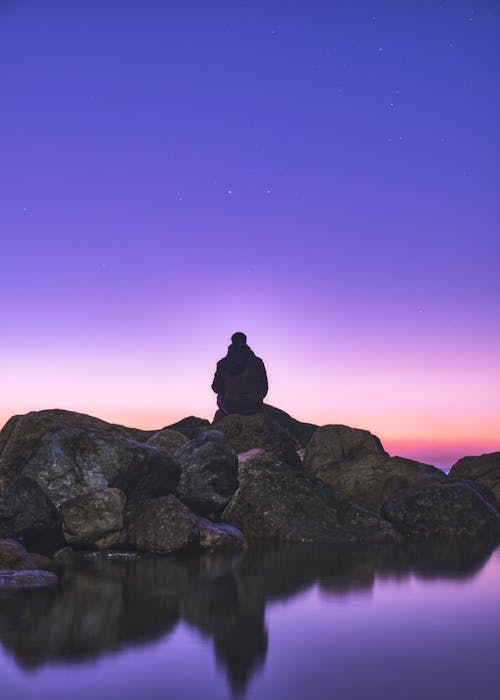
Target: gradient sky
<point>321,175</point>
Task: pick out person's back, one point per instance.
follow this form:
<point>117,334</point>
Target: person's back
<point>240,380</point>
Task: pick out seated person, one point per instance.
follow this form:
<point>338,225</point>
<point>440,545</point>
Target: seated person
<point>240,380</point>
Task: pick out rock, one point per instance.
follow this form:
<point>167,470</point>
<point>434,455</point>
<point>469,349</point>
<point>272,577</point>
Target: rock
<point>485,469</point>
<point>94,516</point>
<point>442,509</point>
<point>22,580</point>
<point>28,514</point>
<point>162,525</point>
<point>168,440</point>
<point>354,462</point>
<point>112,540</point>
<point>21,435</point>
<point>219,536</point>
<point>191,427</point>
<point>276,502</point>
<point>71,462</point>
<point>209,473</point>
<point>300,432</point>
<point>259,430</point>
<point>14,556</point>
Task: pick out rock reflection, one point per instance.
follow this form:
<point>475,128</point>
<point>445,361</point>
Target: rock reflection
<point>103,605</point>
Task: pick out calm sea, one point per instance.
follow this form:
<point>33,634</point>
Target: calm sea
<point>291,623</point>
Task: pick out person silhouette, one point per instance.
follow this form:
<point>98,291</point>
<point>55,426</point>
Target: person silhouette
<point>240,380</point>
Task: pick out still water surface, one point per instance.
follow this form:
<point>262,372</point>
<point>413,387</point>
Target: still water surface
<point>297,623</point>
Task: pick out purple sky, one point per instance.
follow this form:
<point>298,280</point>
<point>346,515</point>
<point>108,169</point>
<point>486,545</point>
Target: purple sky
<point>321,175</point>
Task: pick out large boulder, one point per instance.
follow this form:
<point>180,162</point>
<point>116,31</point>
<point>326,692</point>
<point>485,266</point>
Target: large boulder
<point>259,430</point>
<point>162,525</point>
<point>88,519</point>
<point>209,473</point>
<point>21,435</point>
<point>450,509</point>
<point>484,469</point>
<point>355,463</point>
<point>70,462</point>
<point>278,503</point>
<point>168,440</point>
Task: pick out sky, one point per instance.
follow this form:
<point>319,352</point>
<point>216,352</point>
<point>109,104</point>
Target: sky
<point>321,175</point>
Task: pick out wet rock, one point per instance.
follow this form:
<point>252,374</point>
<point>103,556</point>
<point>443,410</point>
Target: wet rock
<point>168,440</point>
<point>29,515</point>
<point>219,536</point>
<point>11,581</point>
<point>162,525</point>
<point>94,517</point>
<point>354,462</point>
<point>276,502</point>
<point>14,556</point>
<point>209,473</point>
<point>259,430</point>
<point>442,509</point>
<point>485,469</point>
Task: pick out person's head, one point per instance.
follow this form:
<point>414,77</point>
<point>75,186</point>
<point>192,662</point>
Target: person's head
<point>238,338</point>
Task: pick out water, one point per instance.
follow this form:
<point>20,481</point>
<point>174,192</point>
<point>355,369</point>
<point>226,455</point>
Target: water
<point>295,623</point>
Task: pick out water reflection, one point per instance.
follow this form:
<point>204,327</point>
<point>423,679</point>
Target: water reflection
<point>104,605</point>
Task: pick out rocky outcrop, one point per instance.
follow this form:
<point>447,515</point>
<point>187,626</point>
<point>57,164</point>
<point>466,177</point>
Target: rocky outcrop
<point>168,440</point>
<point>278,503</point>
<point>259,430</point>
<point>485,469</point>
<point>73,479</point>
<point>449,509</point>
<point>209,473</point>
<point>95,517</point>
<point>355,463</point>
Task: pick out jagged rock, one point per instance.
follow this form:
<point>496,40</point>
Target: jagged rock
<point>190,427</point>
<point>442,509</point>
<point>22,580</point>
<point>209,473</point>
<point>168,440</point>
<point>485,469</point>
<point>71,462</point>
<point>276,502</point>
<point>90,518</point>
<point>355,463</point>
<point>21,435</point>
<point>259,430</point>
<point>29,515</point>
<point>219,536</point>
<point>14,556</point>
<point>162,525</point>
